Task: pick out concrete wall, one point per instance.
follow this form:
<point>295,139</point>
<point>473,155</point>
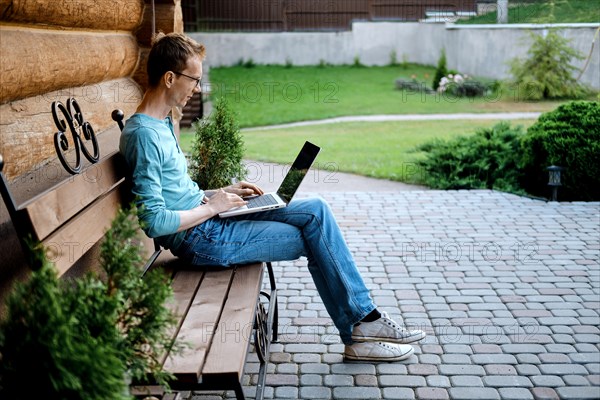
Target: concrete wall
<point>489,48</point>
<point>480,50</point>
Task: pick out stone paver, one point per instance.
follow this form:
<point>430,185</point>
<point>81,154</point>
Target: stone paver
<point>507,288</point>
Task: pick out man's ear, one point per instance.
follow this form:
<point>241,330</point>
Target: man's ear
<point>169,78</point>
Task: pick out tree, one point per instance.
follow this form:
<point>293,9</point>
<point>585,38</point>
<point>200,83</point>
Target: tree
<point>218,149</point>
<point>441,70</point>
<point>547,72</point>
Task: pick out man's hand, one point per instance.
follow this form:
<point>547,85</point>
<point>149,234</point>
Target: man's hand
<point>218,201</point>
<point>222,201</point>
<point>244,189</point>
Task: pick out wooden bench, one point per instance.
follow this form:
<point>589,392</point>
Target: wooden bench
<point>218,308</point>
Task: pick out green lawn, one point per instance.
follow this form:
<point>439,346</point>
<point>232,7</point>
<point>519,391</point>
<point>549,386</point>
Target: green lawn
<point>565,11</point>
<point>267,95</point>
<point>381,150</point>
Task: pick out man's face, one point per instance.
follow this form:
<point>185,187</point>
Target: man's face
<point>187,82</point>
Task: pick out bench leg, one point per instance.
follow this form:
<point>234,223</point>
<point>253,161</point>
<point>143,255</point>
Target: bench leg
<point>273,304</point>
<point>262,341</point>
<point>264,323</point>
<point>239,392</point>
<point>266,326</point>
<point>262,377</point>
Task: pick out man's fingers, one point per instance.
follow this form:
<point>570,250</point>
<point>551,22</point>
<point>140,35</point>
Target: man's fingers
<point>235,199</point>
<point>252,187</point>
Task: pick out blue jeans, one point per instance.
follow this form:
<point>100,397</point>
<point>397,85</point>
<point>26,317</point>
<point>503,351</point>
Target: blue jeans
<point>305,227</point>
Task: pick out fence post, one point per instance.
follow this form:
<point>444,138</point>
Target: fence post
<point>502,11</point>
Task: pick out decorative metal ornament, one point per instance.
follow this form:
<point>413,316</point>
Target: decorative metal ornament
<point>261,333</point>
<point>81,132</point>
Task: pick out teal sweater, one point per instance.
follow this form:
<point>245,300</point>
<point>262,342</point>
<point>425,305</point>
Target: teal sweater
<point>161,183</point>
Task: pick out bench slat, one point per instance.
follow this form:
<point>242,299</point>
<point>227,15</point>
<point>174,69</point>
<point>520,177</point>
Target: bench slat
<point>185,284</point>
<point>70,242</point>
<point>51,209</point>
<point>199,326</point>
<point>230,345</point>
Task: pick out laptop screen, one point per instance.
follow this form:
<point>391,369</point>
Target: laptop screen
<point>298,171</point>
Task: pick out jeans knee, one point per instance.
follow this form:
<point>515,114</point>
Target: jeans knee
<point>313,208</point>
<point>319,204</point>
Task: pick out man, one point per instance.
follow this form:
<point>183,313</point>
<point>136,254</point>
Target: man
<point>184,218</point>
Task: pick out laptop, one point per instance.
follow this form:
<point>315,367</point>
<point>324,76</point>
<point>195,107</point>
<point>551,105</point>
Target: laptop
<point>287,189</point>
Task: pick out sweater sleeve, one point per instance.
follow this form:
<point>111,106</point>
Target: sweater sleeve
<point>145,158</point>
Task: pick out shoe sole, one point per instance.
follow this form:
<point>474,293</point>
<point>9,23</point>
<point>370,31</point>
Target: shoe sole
<point>389,340</point>
<point>404,356</point>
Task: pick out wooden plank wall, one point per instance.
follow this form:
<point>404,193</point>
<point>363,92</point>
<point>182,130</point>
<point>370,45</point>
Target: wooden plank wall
<point>307,15</point>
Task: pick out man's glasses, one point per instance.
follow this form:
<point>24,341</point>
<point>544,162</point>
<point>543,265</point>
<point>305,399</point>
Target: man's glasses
<point>189,77</point>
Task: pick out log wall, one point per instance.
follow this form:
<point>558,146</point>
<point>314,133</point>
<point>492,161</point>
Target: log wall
<point>122,15</point>
<point>93,50</point>
<point>53,60</point>
<point>28,127</point>
<point>168,18</point>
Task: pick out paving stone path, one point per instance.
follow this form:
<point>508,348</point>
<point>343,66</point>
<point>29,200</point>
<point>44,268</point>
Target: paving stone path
<point>507,288</point>
<point>405,117</point>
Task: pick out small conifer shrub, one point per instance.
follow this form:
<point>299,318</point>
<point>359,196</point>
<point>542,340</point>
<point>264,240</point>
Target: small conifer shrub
<point>81,338</point>
<point>218,149</point>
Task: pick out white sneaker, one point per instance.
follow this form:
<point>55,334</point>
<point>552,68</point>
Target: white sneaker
<point>377,351</point>
<point>386,330</point>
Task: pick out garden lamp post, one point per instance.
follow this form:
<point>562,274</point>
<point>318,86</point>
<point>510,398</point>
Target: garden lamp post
<point>554,180</point>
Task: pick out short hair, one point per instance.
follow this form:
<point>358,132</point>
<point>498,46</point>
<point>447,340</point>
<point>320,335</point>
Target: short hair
<point>171,52</point>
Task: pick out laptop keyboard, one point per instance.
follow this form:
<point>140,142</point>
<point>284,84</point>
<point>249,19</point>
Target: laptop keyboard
<point>264,200</point>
